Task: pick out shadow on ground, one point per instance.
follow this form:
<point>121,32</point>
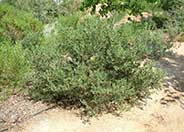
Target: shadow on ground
<point>173,64</point>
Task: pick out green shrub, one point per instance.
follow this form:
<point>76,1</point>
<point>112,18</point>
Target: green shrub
<point>44,10</point>
<point>153,43</point>
<point>68,7</point>
<point>155,46</point>
<point>13,68</point>
<point>173,10</point>
<point>68,21</point>
<point>177,16</point>
<point>169,5</point>
<point>15,25</point>
<point>94,66</point>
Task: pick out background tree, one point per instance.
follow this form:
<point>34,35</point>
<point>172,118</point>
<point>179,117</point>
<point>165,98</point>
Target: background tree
<point>131,6</point>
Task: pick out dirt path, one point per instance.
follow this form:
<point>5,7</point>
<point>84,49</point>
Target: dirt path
<point>163,112</point>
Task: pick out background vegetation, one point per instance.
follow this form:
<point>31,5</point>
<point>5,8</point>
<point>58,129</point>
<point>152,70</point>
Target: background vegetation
<point>14,68</point>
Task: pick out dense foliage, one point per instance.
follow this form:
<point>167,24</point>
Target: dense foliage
<point>13,68</point>
<point>174,10</point>
<point>166,13</point>
<point>93,65</point>
<point>46,10</point>
<point>16,25</point>
<point>130,6</point>
<point>16,28</point>
<point>42,9</point>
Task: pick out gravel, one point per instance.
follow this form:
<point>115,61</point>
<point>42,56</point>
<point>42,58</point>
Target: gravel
<point>19,108</point>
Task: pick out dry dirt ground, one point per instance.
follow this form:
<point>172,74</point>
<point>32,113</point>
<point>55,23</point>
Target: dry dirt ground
<point>163,111</point>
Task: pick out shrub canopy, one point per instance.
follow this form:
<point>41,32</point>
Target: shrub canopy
<point>95,66</point>
<point>15,24</point>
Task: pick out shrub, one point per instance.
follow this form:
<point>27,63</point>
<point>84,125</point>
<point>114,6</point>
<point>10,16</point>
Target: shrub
<point>173,10</point>
<point>94,66</point>
<point>155,46</point>
<point>44,10</point>
<point>13,68</point>
<point>177,16</point>
<point>68,21</point>
<point>68,7</point>
<point>15,25</point>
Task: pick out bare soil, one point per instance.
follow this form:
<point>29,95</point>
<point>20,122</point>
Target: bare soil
<point>162,112</point>
<point>17,109</point>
